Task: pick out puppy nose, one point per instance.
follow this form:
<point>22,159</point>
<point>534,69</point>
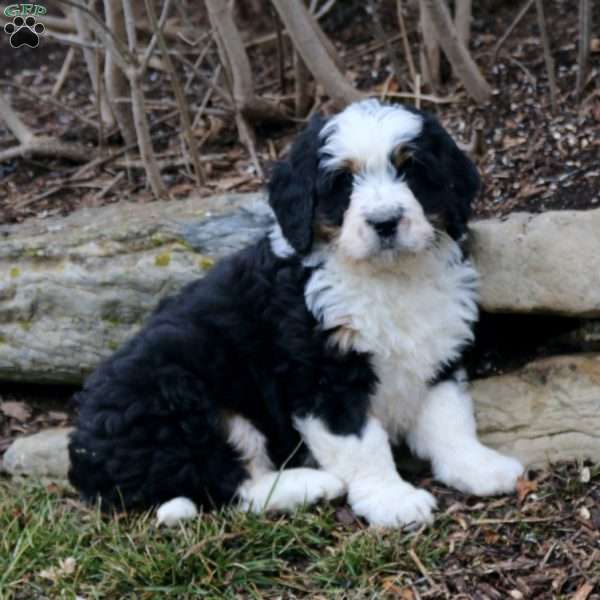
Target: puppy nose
<point>387,227</point>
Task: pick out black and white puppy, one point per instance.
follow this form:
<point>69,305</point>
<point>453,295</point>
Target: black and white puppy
<point>314,350</point>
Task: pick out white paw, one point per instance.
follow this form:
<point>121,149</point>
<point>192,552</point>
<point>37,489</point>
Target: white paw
<point>479,471</point>
<point>395,504</point>
<point>174,511</point>
<point>288,489</point>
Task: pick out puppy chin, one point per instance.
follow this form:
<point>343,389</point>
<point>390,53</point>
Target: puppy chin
<point>416,241</point>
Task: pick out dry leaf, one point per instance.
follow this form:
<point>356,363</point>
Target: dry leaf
<point>490,536</point>
<point>524,488</point>
<point>16,410</point>
<point>389,587</point>
<point>583,592</point>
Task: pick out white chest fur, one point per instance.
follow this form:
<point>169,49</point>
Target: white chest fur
<point>412,317</point>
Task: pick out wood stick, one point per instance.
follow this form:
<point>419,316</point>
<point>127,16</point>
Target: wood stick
<point>405,43</point>
<point>547,54</point>
<point>463,64</point>
<point>186,122</point>
<point>308,43</point>
<point>511,27</point>
<point>585,38</point>
<point>64,71</point>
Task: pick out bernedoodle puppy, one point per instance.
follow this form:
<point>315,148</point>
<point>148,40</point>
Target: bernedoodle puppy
<point>288,373</point>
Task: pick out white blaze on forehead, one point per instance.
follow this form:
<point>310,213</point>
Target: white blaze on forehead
<point>366,132</point>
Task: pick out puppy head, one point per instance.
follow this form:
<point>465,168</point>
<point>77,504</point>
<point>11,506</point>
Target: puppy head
<point>374,181</point>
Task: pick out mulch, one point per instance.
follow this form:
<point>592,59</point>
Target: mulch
<point>530,158</point>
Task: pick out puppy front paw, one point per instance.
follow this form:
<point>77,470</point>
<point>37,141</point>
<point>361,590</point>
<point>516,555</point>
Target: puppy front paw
<point>395,504</point>
<point>480,471</point>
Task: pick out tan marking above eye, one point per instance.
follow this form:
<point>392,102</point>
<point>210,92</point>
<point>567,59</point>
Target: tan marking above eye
<point>351,165</point>
<point>400,155</point>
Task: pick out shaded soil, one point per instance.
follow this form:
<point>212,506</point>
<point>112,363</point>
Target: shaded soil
<point>532,159</point>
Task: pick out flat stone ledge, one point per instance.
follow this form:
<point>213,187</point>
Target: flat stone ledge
<point>545,412</point>
<point>546,263</point>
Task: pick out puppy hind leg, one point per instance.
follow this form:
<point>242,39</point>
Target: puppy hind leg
<point>445,434</point>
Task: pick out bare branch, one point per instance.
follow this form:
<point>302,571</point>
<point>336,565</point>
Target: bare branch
<point>511,27</point>
<point>462,20</point>
<point>117,83</point>
<point>380,33</point>
<point>32,145</point>
<point>23,134</point>
<point>430,49</point>
<point>161,23</point>
<point>307,42</point>
<point>406,44</point>
<point>186,122</point>
<point>139,110</point>
<point>64,72</point>
<point>547,53</point>
<point>458,55</point>
<point>237,66</point>
<point>585,39</point>
<point>89,56</point>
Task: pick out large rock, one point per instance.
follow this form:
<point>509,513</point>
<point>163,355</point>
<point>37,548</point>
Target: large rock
<point>540,263</point>
<point>73,289</point>
<point>547,411</point>
<point>42,455</point>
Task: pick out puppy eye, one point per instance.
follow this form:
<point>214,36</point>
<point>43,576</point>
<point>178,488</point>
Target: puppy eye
<point>400,156</point>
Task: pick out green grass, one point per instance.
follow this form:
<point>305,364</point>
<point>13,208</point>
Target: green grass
<point>216,556</point>
<point>53,547</point>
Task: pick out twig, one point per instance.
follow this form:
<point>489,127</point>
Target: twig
<point>109,186</point>
<point>421,567</point>
<point>206,99</point>
<point>585,35</point>
<point>64,71</point>
<point>429,55</point>
<point>511,27</point>
<point>462,20</point>
<point>159,28</point>
<point>138,108</point>
<point>407,49</point>
<point>417,96</point>
<point>307,41</point>
<point>380,33</point>
<point>50,100</point>
<point>208,81</point>
<point>186,122</point>
<point>89,56</point>
<point>116,81</point>
<point>458,55</point>
<point>196,64</point>
<point>280,50</point>
<point>547,54</point>
<point>237,66</point>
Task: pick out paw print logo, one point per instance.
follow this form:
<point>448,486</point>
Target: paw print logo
<point>24,32</point>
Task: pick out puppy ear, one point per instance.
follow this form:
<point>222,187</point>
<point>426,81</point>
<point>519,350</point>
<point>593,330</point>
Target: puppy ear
<point>465,184</point>
<point>292,188</point>
<point>460,174</point>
